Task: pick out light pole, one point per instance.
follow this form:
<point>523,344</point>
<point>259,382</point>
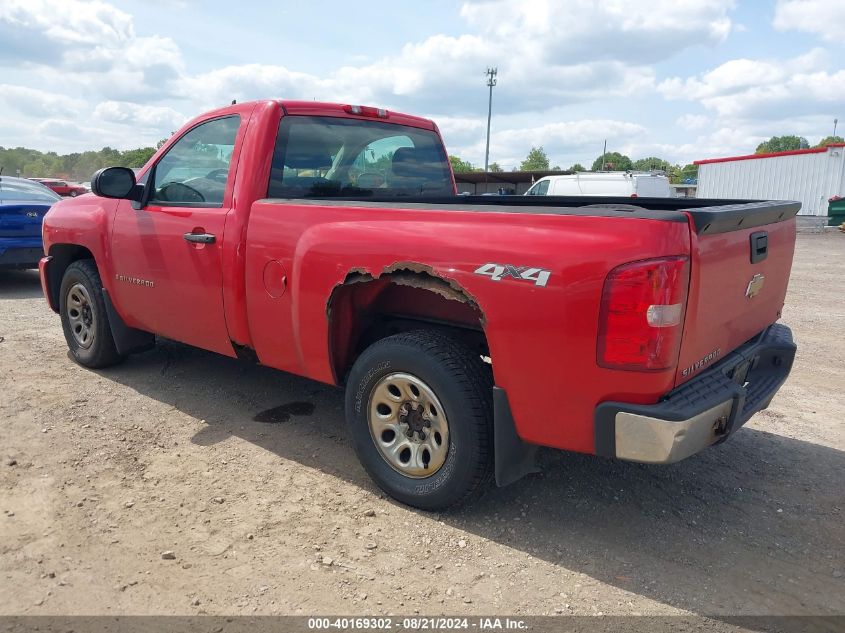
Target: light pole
<point>491,81</point>
<point>835,122</point>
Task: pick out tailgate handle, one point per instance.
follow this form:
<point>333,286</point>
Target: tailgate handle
<point>759,246</point>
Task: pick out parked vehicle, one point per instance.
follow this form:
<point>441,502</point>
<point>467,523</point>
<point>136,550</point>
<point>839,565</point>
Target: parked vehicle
<point>629,184</point>
<point>62,187</point>
<point>23,205</point>
<point>328,241</point>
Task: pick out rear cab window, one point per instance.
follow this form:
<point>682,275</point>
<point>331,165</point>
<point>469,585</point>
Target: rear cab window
<point>318,156</point>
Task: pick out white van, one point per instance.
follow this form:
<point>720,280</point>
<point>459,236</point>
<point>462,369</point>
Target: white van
<point>626,184</point>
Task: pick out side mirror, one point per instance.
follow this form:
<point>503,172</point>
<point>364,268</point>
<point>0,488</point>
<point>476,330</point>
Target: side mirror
<point>115,182</point>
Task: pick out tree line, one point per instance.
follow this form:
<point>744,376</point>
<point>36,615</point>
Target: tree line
<point>538,160</point>
<point>79,166</point>
<point>30,163</point>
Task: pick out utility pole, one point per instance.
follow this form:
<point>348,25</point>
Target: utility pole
<point>491,81</point>
<point>835,122</point>
<point>603,154</point>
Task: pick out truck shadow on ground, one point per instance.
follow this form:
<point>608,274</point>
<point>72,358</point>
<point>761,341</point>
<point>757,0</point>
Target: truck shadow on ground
<point>20,284</point>
<point>753,526</point>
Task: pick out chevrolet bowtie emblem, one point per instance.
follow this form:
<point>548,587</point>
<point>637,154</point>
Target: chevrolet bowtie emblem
<point>755,286</point>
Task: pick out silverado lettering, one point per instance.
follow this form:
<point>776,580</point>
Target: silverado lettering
<point>701,363</point>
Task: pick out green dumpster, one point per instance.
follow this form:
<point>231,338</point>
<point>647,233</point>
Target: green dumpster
<point>836,211</point>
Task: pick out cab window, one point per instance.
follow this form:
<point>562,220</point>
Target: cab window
<point>194,171</point>
<point>337,157</point>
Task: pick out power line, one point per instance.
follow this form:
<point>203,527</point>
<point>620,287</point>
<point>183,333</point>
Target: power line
<point>491,81</point>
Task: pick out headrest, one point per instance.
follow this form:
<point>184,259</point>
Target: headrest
<point>307,160</point>
<point>410,162</point>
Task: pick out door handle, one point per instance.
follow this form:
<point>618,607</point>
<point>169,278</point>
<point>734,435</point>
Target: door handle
<point>200,238</point>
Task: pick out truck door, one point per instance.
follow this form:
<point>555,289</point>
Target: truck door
<point>167,254</point>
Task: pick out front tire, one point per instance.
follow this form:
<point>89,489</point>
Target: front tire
<point>84,318</point>
<point>419,410</point>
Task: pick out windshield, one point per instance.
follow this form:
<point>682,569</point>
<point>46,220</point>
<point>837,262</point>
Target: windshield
<point>328,156</point>
<point>15,189</point>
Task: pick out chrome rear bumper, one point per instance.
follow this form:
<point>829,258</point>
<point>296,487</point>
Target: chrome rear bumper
<point>703,411</point>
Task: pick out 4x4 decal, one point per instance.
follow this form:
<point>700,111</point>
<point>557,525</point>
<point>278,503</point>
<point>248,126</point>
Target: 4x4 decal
<point>497,272</point>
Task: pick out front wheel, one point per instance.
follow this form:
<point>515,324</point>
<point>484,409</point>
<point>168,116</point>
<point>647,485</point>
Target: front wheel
<point>419,412</point>
<point>84,318</point>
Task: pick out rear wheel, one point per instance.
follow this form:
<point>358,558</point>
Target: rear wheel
<point>419,411</point>
<point>84,317</point>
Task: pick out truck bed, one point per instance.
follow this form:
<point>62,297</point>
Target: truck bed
<point>708,215</point>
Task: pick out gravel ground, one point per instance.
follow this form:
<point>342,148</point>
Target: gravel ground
<point>150,488</point>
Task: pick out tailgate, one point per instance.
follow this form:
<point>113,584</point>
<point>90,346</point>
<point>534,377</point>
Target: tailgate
<point>22,220</point>
<point>741,256</point>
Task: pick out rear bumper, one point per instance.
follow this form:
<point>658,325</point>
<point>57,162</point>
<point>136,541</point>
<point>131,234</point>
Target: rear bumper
<point>703,411</point>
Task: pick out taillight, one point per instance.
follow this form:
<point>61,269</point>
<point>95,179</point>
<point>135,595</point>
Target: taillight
<point>642,314</point>
<point>379,113</point>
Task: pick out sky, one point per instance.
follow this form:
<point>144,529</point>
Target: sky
<point>678,79</point>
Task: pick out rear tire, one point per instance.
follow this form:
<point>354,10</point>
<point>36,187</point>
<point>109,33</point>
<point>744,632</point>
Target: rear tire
<point>403,392</point>
<point>84,318</point>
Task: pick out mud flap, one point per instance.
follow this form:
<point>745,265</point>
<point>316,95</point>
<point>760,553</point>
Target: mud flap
<point>513,458</point>
<point>127,339</point>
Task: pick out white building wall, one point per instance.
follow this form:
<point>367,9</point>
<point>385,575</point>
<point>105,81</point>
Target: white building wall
<point>810,178</point>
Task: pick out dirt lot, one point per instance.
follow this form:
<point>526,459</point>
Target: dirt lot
<point>103,472</point>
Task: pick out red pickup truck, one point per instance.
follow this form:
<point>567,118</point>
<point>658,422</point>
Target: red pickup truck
<point>328,241</point>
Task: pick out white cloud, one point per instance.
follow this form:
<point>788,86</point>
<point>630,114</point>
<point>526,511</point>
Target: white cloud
<point>573,31</point>
<point>692,121</point>
<point>752,88</point>
<point>86,44</point>
<point>144,116</point>
<point>41,103</point>
<point>825,18</point>
<point>603,51</point>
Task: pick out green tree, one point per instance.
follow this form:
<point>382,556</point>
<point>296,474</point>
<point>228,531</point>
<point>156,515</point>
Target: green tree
<point>613,161</point>
<point>680,174</point>
<point>652,163</point>
<point>782,144</point>
<point>495,167</point>
<point>535,161</point>
<point>577,167</point>
<point>137,157</point>
<point>829,140</point>
<point>73,166</point>
<point>459,166</point>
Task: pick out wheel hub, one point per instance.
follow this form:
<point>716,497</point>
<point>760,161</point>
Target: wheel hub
<point>80,315</point>
<point>408,425</point>
<point>413,415</point>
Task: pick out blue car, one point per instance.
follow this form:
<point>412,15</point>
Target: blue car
<point>23,204</point>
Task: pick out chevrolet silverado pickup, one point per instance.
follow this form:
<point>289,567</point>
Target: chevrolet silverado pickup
<point>327,240</point>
